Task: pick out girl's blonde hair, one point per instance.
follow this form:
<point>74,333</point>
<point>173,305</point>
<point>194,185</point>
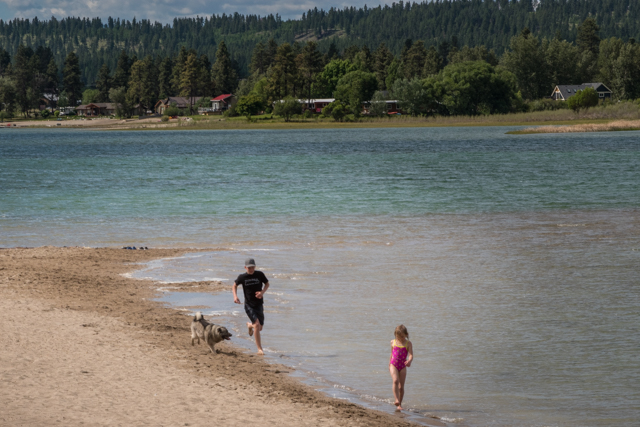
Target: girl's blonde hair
<point>401,330</point>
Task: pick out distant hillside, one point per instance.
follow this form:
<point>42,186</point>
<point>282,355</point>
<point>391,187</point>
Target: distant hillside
<point>465,22</point>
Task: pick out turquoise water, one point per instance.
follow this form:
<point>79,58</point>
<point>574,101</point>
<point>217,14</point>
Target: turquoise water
<point>511,259</point>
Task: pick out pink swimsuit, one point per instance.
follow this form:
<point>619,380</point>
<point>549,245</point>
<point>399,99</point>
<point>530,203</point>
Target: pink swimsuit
<point>399,355</point>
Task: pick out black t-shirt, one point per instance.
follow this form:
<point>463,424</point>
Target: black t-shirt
<point>252,283</point>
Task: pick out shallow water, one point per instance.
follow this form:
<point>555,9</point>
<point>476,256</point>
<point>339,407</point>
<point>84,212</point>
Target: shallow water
<point>512,260</point>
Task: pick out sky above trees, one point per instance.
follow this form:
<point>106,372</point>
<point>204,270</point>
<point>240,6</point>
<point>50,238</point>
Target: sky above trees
<point>165,10</point>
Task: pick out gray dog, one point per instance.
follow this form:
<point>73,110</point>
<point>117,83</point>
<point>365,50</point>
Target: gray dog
<point>208,332</point>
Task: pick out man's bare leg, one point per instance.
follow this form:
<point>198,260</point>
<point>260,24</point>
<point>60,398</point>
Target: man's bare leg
<point>257,327</point>
<point>250,329</point>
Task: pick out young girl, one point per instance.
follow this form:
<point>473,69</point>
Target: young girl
<point>401,357</point>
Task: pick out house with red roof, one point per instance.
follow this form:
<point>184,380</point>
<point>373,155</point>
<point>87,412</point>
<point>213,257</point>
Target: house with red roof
<point>220,104</point>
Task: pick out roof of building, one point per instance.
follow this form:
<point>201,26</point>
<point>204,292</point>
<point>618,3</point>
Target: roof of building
<point>567,91</point>
<point>222,97</point>
<point>314,100</point>
<point>107,105</point>
<point>180,101</point>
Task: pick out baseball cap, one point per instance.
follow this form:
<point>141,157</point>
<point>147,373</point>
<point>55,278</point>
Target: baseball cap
<point>250,262</point>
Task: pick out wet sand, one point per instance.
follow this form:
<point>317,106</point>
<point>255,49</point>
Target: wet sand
<point>83,344</point>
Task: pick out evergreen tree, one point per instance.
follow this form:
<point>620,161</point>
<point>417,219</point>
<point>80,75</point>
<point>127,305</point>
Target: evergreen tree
<point>562,71</point>
<point>477,53</point>
<point>588,42</point>
<point>443,50</point>
<point>223,73</point>
<point>259,59</point>
<point>52,88</point>
<point>165,72</point>
<point>23,78</point>
<point>283,72</point>
<point>363,60</point>
<point>205,82</point>
<point>143,88</point>
<point>122,72</point>
<point>71,79</point>
<point>350,52</point>
<point>432,62</point>
<point>178,67</point>
<point>5,62</point>
<point>309,64</point>
<point>103,84</point>
<point>332,53</point>
<point>588,36</point>
<point>271,51</point>
<point>44,56</point>
<point>413,59</point>
<point>382,58</point>
<point>393,73</point>
<point>526,61</point>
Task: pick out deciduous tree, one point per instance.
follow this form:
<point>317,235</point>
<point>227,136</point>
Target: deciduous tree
<point>355,88</point>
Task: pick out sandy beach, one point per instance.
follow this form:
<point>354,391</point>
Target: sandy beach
<point>83,344</point>
<point>99,123</point>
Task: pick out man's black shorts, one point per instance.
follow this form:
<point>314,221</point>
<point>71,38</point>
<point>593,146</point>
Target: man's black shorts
<point>254,313</point>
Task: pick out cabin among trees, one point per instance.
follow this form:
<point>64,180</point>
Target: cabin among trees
<point>182,103</point>
<point>315,105</point>
<point>220,104</point>
<point>564,92</point>
<point>96,109</point>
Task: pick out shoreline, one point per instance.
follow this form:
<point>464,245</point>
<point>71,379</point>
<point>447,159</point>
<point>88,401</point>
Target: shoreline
<point>100,336</point>
<point>152,124</point>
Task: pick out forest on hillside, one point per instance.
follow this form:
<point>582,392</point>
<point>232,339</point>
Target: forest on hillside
<point>447,79</point>
<point>490,23</point>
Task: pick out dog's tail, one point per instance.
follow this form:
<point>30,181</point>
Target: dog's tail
<point>197,317</point>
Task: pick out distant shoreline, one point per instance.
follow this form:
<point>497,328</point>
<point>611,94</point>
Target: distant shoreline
<point>611,126</point>
<point>187,123</point>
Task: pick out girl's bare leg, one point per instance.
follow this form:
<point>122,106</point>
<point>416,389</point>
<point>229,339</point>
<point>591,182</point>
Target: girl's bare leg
<point>395,376</point>
<point>403,377</point>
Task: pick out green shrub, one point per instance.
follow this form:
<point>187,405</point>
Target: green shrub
<point>287,108</point>
<point>337,110</point>
<point>546,105</point>
<point>164,118</point>
<point>231,112</point>
<point>583,100</point>
<point>45,114</point>
<point>172,111</point>
<point>249,105</point>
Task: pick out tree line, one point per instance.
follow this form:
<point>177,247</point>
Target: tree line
<point>442,79</point>
<point>33,76</point>
<point>491,23</point>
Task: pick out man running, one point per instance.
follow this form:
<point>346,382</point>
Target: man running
<point>251,283</point>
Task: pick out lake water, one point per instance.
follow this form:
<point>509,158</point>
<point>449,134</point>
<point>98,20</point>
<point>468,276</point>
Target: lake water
<point>512,260</point>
